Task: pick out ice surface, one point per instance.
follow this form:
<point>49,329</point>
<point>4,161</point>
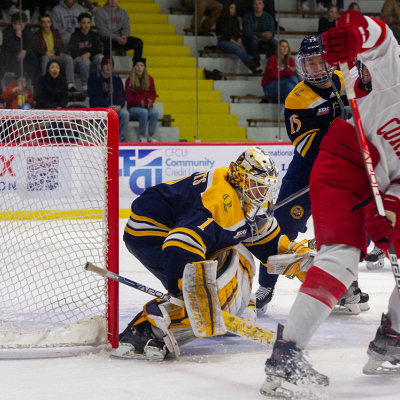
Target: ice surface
<point>221,368</point>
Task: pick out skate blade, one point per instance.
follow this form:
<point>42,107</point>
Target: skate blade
<point>364,306</point>
<point>262,310</point>
<point>373,367</point>
<point>375,265</point>
<point>272,386</point>
<point>347,309</point>
<point>125,351</point>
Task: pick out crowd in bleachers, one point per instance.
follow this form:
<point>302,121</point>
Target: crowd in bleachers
<point>65,46</point>
<point>39,65</point>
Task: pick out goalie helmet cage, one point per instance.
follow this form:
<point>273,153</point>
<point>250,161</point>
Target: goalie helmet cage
<point>59,209</point>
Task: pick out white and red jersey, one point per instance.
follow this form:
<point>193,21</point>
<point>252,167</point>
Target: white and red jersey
<point>380,111</point>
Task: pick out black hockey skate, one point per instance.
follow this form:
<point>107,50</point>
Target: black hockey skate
<point>364,298</point>
<point>375,259</point>
<point>384,348</point>
<point>263,297</point>
<point>288,365</point>
<point>348,304</point>
<point>140,343</point>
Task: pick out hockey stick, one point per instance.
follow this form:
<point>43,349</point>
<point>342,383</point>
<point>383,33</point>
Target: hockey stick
<point>351,96</point>
<point>234,324</point>
<point>291,197</point>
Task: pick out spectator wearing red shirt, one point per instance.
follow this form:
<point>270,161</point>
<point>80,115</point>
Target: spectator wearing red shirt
<point>140,95</point>
<point>286,73</point>
<point>16,95</point>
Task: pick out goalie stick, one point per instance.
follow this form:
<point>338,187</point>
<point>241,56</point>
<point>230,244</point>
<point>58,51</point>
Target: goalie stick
<point>233,323</point>
<point>351,96</point>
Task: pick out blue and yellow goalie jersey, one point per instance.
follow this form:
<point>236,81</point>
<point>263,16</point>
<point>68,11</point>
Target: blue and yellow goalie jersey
<point>193,218</point>
<point>309,112</point>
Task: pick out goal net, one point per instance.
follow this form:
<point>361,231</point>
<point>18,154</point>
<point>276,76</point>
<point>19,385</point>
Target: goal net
<point>59,209</point>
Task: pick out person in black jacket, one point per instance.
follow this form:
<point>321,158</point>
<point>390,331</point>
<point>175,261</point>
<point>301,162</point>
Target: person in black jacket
<point>328,22</point>
<point>52,91</point>
<point>230,38</point>
<point>86,49</point>
<point>11,54</point>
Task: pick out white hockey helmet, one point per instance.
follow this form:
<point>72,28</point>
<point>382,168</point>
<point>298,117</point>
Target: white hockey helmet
<point>254,175</point>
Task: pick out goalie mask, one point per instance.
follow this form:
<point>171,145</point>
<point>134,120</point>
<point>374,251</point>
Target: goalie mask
<point>254,175</point>
<point>315,70</point>
<point>364,75</point>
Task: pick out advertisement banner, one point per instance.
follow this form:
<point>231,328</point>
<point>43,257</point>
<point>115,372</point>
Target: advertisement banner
<point>142,166</point>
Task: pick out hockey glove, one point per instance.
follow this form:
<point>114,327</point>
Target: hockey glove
<point>294,259</point>
<point>344,42</point>
<point>379,228</point>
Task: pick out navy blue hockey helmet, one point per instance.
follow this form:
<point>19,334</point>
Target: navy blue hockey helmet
<point>313,46</point>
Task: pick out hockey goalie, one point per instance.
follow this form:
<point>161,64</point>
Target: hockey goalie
<point>339,182</point>
<point>198,235</point>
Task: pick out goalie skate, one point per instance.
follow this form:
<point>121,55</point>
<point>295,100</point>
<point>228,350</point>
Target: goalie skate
<point>140,344</point>
<point>384,351</point>
<point>375,259</point>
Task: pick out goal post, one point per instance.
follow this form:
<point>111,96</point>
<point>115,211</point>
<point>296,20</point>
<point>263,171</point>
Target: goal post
<point>59,209</point>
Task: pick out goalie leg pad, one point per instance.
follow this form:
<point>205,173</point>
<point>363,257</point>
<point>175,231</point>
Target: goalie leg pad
<point>199,287</point>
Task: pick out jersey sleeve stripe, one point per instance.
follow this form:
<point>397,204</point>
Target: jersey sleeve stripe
<point>141,226</point>
<point>146,219</point>
<point>299,138</point>
<point>267,239</point>
<point>183,246</point>
<point>184,238</point>
<point>308,144</point>
<point>191,233</point>
<point>145,233</point>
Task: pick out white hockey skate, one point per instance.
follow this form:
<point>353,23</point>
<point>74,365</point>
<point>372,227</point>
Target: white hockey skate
<point>375,259</point>
<point>348,303</point>
<point>384,351</point>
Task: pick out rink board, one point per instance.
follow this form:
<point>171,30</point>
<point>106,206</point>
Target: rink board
<point>145,165</point>
<point>140,166</point>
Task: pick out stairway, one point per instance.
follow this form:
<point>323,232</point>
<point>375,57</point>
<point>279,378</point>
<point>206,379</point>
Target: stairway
<point>174,73</point>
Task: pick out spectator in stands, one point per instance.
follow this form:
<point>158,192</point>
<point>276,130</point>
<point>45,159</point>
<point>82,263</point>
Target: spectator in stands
<point>354,6</point>
<point>119,30</point>
<point>86,49</point>
<point>285,71</point>
<point>100,95</point>
<point>30,5</point>
<point>390,14</point>
<point>11,54</point>
<point>52,91</point>
<point>212,6</point>
<point>65,18</point>
<point>259,31</point>
<point>311,5</point>
<point>230,38</point>
<point>18,95</point>
<point>140,96</point>
<point>49,46</point>
<point>328,22</point>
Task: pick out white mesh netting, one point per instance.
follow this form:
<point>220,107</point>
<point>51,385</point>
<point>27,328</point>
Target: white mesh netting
<point>53,190</point>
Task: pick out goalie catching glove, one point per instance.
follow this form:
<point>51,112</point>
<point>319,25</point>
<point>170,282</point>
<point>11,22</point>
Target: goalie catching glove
<point>294,259</point>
